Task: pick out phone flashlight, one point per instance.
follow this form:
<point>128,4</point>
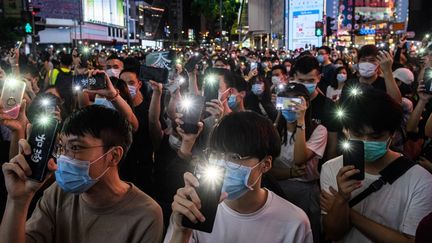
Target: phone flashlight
<point>43,120</point>
<point>181,80</point>
<point>186,104</point>
<point>211,80</point>
<point>77,88</point>
<point>211,174</point>
<point>340,113</point>
<point>355,91</point>
<point>346,145</point>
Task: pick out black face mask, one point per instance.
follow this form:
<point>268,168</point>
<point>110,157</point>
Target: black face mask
<point>405,89</point>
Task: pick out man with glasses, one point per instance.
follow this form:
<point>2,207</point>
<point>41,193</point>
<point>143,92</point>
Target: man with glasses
<point>375,69</point>
<point>88,198</point>
<point>244,143</point>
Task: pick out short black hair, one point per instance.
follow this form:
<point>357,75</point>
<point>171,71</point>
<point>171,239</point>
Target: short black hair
<point>32,70</point>
<point>246,133</point>
<point>371,108</point>
<point>102,123</point>
<point>280,67</point>
<point>66,59</point>
<point>368,50</point>
<point>325,48</point>
<point>306,64</point>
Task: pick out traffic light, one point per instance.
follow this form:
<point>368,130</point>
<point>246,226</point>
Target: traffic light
<point>319,28</point>
<point>38,21</point>
<point>330,24</point>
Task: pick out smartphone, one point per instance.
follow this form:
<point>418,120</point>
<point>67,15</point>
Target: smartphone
<point>428,80</point>
<point>209,191</point>
<point>159,75</point>
<point>211,87</point>
<point>253,65</point>
<point>193,61</point>
<point>353,154</point>
<point>93,82</point>
<point>42,139</point>
<point>286,103</point>
<point>192,113</point>
<point>11,97</point>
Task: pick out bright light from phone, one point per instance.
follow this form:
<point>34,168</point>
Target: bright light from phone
<point>427,36</point>
<point>43,120</point>
<point>186,104</point>
<point>45,102</point>
<point>211,80</point>
<point>182,80</point>
<point>196,54</point>
<point>86,50</point>
<point>77,88</point>
<point>346,145</point>
<point>355,91</point>
<point>340,113</point>
<point>211,174</point>
<point>178,61</point>
<point>12,82</point>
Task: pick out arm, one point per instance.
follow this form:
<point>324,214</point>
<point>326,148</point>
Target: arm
<point>377,232</point>
<point>386,62</point>
<point>332,142</point>
<point>193,82</point>
<point>155,128</point>
<point>302,153</point>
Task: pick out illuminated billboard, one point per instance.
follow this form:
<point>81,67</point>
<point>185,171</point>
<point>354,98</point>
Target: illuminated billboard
<point>110,12</point>
<point>302,17</point>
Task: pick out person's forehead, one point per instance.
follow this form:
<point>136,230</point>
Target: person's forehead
<point>276,72</point>
<point>85,138</point>
<point>311,75</point>
<point>128,76</point>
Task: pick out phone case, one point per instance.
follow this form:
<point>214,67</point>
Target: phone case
<point>11,97</point>
<point>354,155</point>
<point>42,139</point>
<point>209,194</point>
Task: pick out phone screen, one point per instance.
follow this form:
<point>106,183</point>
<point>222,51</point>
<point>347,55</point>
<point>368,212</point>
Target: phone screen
<point>211,87</point>
<point>428,80</point>
<point>192,108</point>
<point>353,154</point>
<point>253,65</point>
<point>11,97</point>
<point>93,82</point>
<point>285,103</point>
<point>41,140</point>
<point>210,179</point>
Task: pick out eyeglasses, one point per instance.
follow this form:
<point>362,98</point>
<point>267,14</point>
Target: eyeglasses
<point>236,160</point>
<point>59,149</point>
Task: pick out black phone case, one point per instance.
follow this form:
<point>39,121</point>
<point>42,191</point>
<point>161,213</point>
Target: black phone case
<point>209,196</point>
<point>193,116</point>
<point>190,65</point>
<point>159,75</point>
<point>355,156</point>
<point>428,80</point>
<point>42,139</point>
<point>211,92</point>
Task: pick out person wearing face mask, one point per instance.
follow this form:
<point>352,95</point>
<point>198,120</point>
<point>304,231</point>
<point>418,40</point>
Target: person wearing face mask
<point>139,164</point>
<point>245,144</point>
<point>287,63</point>
<point>392,213</point>
<point>304,143</point>
<point>335,89</point>
<point>258,99</point>
<point>327,67</point>
<point>372,63</point>
<point>87,188</point>
<point>114,66</point>
<point>306,72</point>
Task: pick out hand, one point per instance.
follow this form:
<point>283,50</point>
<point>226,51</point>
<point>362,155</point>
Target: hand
<point>18,124</point>
<point>2,74</point>
<point>346,185</point>
<point>187,137</point>
<point>426,61</point>
<point>298,171</point>
<point>253,73</point>
<point>215,108</point>
<point>14,57</point>
<point>421,91</point>
<point>385,61</point>
<point>157,87</point>
<point>187,202</point>
<point>327,199</point>
<point>18,185</point>
<point>301,109</point>
<point>109,92</point>
<point>402,42</point>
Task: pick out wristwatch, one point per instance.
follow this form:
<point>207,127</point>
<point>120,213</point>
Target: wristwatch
<point>302,127</point>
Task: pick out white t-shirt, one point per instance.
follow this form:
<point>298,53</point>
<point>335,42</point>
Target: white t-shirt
<point>399,206</point>
<point>276,222</point>
<point>333,94</point>
<point>316,143</point>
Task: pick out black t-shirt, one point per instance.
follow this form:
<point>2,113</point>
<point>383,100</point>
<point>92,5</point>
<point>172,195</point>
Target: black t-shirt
<point>327,74</point>
<point>378,84</point>
<point>138,164</point>
<point>323,112</point>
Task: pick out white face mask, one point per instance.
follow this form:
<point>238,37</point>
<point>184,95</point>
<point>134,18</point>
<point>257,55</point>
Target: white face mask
<point>367,69</point>
<point>113,72</point>
<point>341,77</point>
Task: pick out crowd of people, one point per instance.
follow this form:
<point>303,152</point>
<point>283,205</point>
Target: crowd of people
<point>122,168</point>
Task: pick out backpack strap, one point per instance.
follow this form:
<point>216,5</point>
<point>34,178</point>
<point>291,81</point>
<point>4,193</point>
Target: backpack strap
<point>388,175</point>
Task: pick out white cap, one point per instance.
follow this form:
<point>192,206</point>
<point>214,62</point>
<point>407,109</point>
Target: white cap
<point>404,75</point>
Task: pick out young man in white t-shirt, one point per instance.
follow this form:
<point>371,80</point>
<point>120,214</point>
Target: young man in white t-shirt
<point>390,214</point>
<point>241,142</point>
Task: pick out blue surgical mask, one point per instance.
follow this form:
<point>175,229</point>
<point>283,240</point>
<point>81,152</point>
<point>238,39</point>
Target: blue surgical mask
<point>374,150</point>
<point>290,116</point>
<point>103,102</point>
<point>232,101</point>
<point>310,87</point>
<point>257,89</point>
<point>320,58</point>
<point>73,176</point>
<point>132,90</point>
<point>236,179</point>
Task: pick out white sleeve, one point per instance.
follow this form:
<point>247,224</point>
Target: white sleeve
<point>327,178</point>
<point>318,141</point>
<point>170,232</point>
<point>328,92</point>
<point>420,205</point>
